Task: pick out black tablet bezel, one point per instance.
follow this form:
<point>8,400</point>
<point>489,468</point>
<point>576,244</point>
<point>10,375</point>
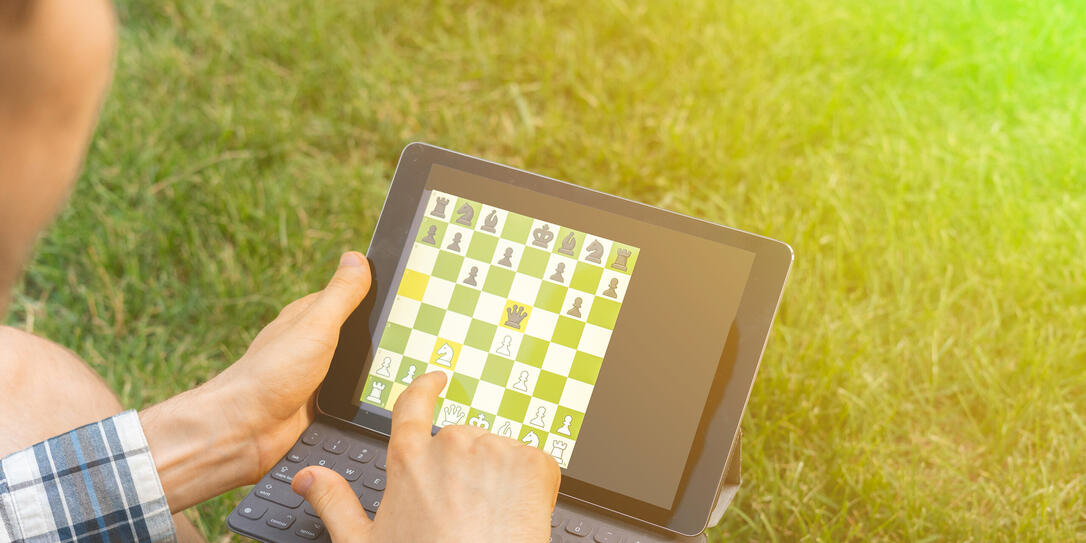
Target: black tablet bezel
<point>739,361</point>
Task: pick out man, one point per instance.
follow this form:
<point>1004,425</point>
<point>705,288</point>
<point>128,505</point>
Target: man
<point>123,477</point>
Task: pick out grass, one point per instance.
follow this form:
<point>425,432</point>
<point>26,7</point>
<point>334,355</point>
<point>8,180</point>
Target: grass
<point>925,379</point>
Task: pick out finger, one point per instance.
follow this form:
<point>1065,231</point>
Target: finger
<point>413,414</point>
<point>344,292</point>
<point>334,502</point>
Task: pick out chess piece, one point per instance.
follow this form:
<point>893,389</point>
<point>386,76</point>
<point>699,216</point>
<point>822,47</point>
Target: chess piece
<point>564,429</point>
<point>531,440</point>
<point>453,415</point>
<point>558,451</point>
<point>479,421</point>
<point>470,279</point>
<point>595,252</point>
<point>376,390</point>
<point>505,349</point>
<point>620,259</point>
<point>540,412</point>
<point>490,222</point>
<point>575,311</point>
<point>445,355</point>
<point>455,245</point>
<point>439,207</point>
<point>611,289</point>
<point>505,430</point>
<point>384,370</point>
<point>466,214</point>
<point>410,375</point>
<point>429,238</point>
<point>522,382</point>
<point>542,236</point>
<point>507,260</point>
<point>557,275</point>
<point>516,315</point>
<point>568,245</point>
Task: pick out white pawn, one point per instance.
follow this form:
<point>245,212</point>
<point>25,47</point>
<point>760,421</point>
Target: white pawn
<point>522,382</point>
<point>564,430</point>
<point>410,375</point>
<point>538,420</point>
<point>384,370</point>
<point>505,348</point>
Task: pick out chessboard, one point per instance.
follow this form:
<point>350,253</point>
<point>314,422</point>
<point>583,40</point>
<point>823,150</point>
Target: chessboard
<point>516,311</point>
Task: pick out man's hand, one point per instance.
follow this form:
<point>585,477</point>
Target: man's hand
<point>464,484</point>
<point>230,431</point>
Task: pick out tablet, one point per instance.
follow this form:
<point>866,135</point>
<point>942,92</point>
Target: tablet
<point>620,339</point>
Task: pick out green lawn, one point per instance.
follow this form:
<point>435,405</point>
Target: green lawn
<point>926,377</point>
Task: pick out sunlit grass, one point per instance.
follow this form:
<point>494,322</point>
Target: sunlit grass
<point>926,379</point>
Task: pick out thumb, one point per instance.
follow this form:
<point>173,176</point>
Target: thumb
<point>334,502</point>
<point>344,292</point>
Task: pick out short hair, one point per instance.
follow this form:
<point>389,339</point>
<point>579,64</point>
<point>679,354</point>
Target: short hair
<point>15,13</point>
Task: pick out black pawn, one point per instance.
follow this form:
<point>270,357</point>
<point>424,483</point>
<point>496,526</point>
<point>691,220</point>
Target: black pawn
<point>430,236</point>
<point>611,289</point>
<point>455,245</point>
<point>507,260</point>
<point>557,275</point>
<point>470,279</point>
<point>575,311</point>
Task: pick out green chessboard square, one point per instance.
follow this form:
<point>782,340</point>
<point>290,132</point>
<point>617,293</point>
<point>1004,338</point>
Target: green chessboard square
<point>424,230</point>
<point>482,247</point>
<point>564,233</point>
<point>549,386</point>
<point>419,365</point>
<point>447,266</point>
<point>456,214</point>
<point>514,405</point>
<point>516,228</point>
<point>533,262</point>
<point>474,414</point>
<point>568,332</point>
<point>480,335</point>
<point>631,261</point>
<point>575,419</point>
<point>586,278</point>
<point>462,388</point>
<point>499,281</point>
<point>604,313</point>
<point>463,301</point>
<point>550,297</point>
<point>497,370</point>
<point>532,351</point>
<point>395,338</point>
<point>429,319</point>
<point>384,393</point>
<point>585,367</point>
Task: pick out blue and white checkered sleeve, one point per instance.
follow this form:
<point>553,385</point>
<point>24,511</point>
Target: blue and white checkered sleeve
<point>95,483</point>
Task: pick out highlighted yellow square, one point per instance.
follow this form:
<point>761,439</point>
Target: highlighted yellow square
<point>445,354</point>
<point>515,315</point>
<point>413,284</point>
<point>397,389</point>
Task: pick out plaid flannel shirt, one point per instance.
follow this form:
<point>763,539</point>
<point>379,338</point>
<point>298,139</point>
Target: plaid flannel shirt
<point>95,483</point>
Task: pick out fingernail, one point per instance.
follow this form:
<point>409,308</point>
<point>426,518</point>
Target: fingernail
<point>302,482</point>
<point>350,259</point>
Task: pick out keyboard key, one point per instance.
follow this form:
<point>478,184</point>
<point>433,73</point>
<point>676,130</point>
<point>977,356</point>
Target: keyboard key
<point>381,462</point>
<point>281,520</point>
<point>285,472</point>
<point>325,460</point>
<point>371,501</point>
<point>298,454</point>
<point>606,535</point>
<point>375,481</point>
<point>336,445</point>
<point>362,453</point>
<point>310,529</point>
<point>556,520</point>
<point>578,528</point>
<point>311,437</point>
<point>278,493</point>
<point>349,471</point>
<point>253,510</point>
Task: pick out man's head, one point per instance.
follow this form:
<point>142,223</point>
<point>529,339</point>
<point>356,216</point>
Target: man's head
<point>55,64</point>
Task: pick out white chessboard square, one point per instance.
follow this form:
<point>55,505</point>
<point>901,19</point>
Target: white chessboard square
<point>512,431</point>
<point>438,292</point>
<point>576,395</point>
<point>539,408</point>
<point>449,414</point>
<point>541,324</point>
<point>594,340</point>
<point>562,451</point>
<point>559,359</point>
<point>538,226</point>
<point>571,299</point>
<point>620,285</point>
<point>434,195</point>
<point>489,308</point>
<point>488,397</point>
<point>567,264</point>
<point>525,288</point>
<point>514,255</point>
<point>420,345</point>
<point>450,237</point>
<point>404,311</point>
<point>499,214</point>
<point>480,273</point>
<point>471,362</point>
<point>506,348</point>
<point>422,258</point>
<point>522,378</point>
<point>604,254</point>
<point>455,327</point>
<point>385,364</point>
